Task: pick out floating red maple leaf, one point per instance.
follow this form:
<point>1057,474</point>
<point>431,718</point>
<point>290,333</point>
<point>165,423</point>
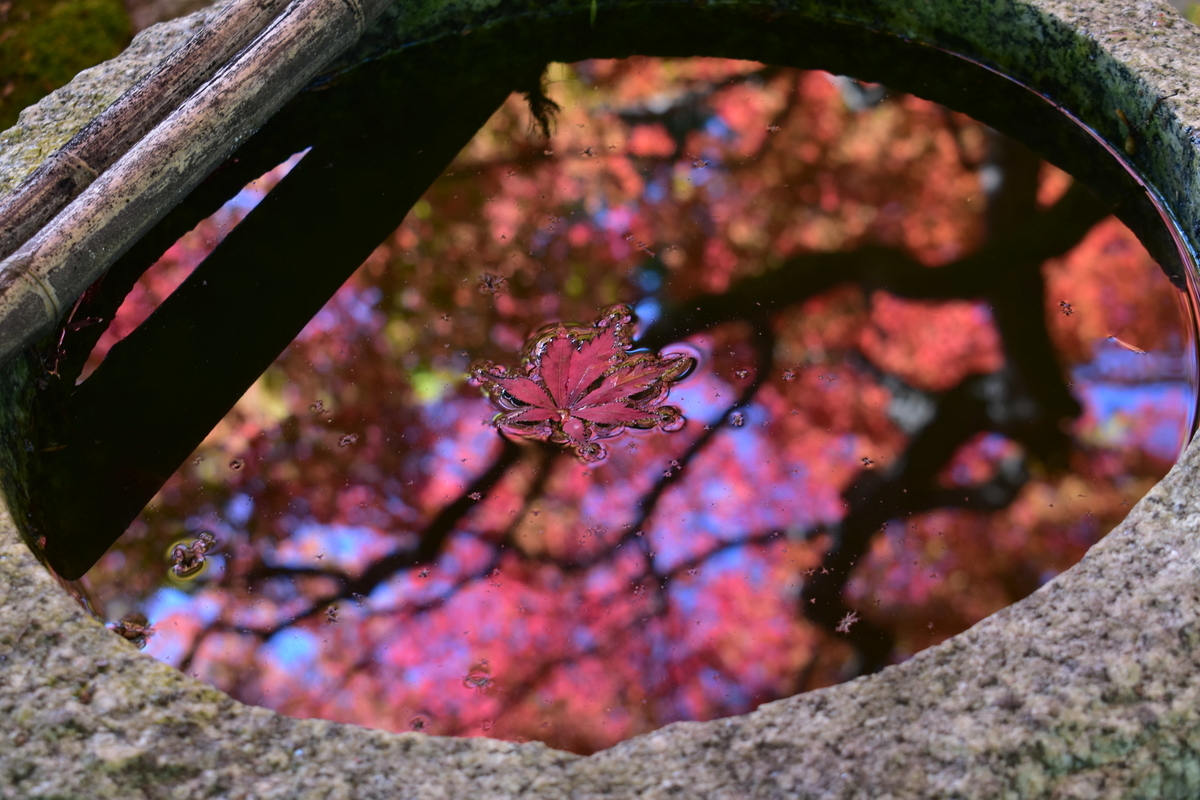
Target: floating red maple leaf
<point>580,384</point>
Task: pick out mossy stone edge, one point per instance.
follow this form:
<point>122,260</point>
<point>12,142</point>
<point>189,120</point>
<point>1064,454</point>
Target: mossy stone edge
<point>1089,688</point>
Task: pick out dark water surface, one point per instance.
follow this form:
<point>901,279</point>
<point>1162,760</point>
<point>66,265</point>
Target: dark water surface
<point>747,381</point>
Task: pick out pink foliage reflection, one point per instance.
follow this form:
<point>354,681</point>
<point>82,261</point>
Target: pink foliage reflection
<point>387,559</point>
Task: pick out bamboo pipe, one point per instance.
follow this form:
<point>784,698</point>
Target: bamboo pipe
<point>41,279</point>
<point>107,137</point>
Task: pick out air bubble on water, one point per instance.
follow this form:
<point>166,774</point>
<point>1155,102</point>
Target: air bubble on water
<point>479,677</point>
<point>591,452</point>
<point>348,439</point>
<point>670,419</point>
<point>737,419</point>
<point>237,464</point>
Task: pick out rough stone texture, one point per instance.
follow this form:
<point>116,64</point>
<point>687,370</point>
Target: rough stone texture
<point>1090,688</point>
<point>50,123</point>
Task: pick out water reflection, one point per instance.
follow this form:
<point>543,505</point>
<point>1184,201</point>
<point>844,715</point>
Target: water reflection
<point>894,426</point>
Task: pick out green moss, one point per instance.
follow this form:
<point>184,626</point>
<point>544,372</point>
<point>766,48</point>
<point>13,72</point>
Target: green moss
<point>44,43</point>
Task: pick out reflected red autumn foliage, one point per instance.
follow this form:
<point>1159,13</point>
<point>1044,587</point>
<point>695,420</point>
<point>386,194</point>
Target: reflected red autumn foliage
<point>880,448</point>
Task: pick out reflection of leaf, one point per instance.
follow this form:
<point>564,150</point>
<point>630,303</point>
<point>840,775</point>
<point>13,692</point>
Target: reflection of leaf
<point>582,384</point>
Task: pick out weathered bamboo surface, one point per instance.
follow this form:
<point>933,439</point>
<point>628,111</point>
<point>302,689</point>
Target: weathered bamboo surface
<point>42,278</point>
<point>61,178</point>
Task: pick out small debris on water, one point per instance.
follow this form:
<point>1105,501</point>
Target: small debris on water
<point>490,283</point>
<point>237,464</point>
<point>348,439</point>
<point>188,559</point>
<point>847,621</point>
<point>1131,348</point>
<point>737,419</point>
<point>1066,308</point>
<point>133,628</point>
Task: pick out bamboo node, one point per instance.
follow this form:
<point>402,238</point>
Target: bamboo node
<point>79,166</point>
<point>43,289</point>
